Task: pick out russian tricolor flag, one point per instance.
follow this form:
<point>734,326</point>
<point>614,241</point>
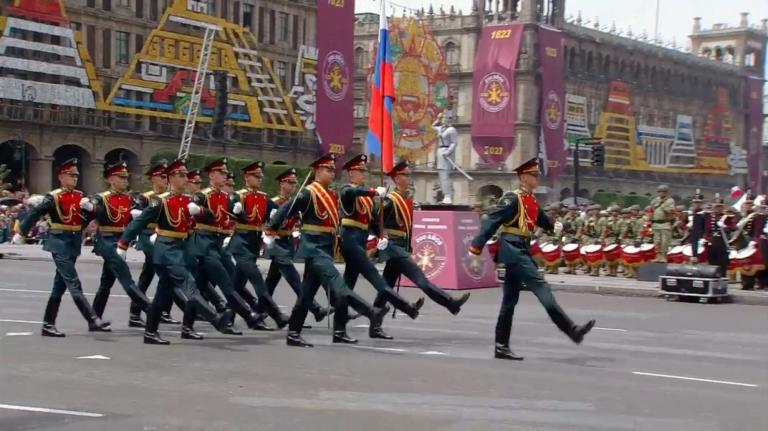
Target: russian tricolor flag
<point>380,139</point>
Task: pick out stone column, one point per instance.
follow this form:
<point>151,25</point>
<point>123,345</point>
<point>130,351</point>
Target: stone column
<point>40,175</point>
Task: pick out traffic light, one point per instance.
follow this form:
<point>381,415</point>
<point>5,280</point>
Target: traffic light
<point>598,155</point>
<point>220,111</point>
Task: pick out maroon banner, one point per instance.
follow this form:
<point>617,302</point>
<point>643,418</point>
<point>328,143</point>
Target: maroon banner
<point>335,68</point>
<point>552,97</point>
<point>753,132</point>
<point>493,100</point>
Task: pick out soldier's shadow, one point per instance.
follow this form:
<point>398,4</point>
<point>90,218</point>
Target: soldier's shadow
<point>212,340</point>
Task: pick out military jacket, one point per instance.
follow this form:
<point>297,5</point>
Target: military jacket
<point>249,223</point>
<point>66,221</point>
<point>284,244</point>
<point>663,211</point>
<point>397,222</point>
<point>169,212</point>
<point>212,224</point>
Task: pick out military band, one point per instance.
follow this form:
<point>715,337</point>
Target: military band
<point>200,241</point>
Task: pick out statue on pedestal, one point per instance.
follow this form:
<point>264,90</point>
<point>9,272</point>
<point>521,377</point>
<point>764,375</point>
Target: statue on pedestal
<point>444,161</point>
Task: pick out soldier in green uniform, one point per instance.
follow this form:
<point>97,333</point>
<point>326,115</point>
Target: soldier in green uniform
<point>283,249</point>
<point>251,208</point>
<point>319,210</point>
<point>156,176</point>
<point>550,237</point>
<point>680,228</point>
<point>359,219</point>
<point>592,235</point>
<point>572,229</point>
<point>112,212</point>
<point>172,213</point>
<point>64,240</point>
<point>609,229</point>
<point>661,222</point>
<point>398,224</point>
<point>627,236</point>
<point>515,217</point>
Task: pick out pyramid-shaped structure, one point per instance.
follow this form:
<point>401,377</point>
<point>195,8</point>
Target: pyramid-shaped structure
<point>160,77</point>
<point>58,71</point>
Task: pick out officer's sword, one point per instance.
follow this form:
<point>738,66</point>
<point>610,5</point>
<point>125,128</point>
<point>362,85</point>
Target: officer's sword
<point>469,177</point>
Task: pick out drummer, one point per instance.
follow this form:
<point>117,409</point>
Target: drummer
<point>546,238</point>
<point>610,230</point>
<point>747,239</point>
<point>762,244</point>
<point>710,225</point>
<point>591,235</point>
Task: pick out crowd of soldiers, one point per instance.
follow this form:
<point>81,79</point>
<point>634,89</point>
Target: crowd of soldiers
<point>616,240</point>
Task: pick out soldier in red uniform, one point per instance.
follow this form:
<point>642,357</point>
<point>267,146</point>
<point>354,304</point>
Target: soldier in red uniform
<point>112,210</point>
<point>194,181</point>
<point>282,251</point>
<point>251,208</point>
<point>171,212</point>
<point>359,218</point>
<point>749,232</point>
<point>714,226</point>
<point>63,206</point>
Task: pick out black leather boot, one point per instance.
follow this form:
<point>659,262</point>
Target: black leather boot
<point>321,313</point>
<point>98,325</point>
<point>257,323</point>
<point>223,323</point>
<point>134,321</point>
<point>294,339</point>
<point>502,351</point>
<point>458,302</point>
<point>167,319</point>
<point>282,320</point>
<point>416,306</point>
<point>189,333</point>
<point>579,331</point>
<point>343,338</point>
<point>154,338</point>
<point>49,330</point>
<point>377,332</point>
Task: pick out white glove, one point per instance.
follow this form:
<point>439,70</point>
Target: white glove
<point>17,239</point>
<point>296,234</point>
<point>381,191</point>
<point>193,208</point>
<point>765,229</point>
<point>720,224</point>
<point>268,240</point>
<point>273,212</point>
<point>238,208</point>
<point>135,213</point>
<point>152,238</point>
<point>558,227</point>
<point>225,243</point>
<point>122,253</point>
<point>383,243</point>
<point>86,204</point>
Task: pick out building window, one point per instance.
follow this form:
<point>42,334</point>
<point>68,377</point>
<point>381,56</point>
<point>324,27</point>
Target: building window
<point>121,47</point>
<point>247,15</point>
<point>106,5</point>
<point>361,59</point>
<point>153,10</point>
<point>280,71</point>
<point>90,3</point>
<point>139,8</point>
<point>295,32</point>
<point>139,43</point>
<point>260,26</point>
<point>236,13</point>
<point>282,27</point>
<point>106,46</point>
<point>124,3</point>
<point>272,27</point>
<point>451,54</point>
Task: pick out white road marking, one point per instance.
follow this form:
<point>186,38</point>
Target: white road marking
<point>609,329</point>
<point>383,349</point>
<point>17,334</point>
<point>433,353</point>
<point>53,411</point>
<point>111,295</point>
<point>20,321</point>
<point>695,379</point>
<point>360,326</point>
<point>94,357</point>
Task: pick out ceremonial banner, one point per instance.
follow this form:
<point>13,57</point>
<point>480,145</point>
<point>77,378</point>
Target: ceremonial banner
<point>753,132</point>
<point>493,86</point>
<point>552,96</point>
<point>334,113</point>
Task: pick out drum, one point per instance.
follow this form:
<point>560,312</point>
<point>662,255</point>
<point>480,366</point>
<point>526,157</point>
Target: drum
<point>493,246</point>
<point>592,254</point>
<point>535,249</point>
<point>550,253</point>
<point>631,255</point>
<point>750,260</point>
<point>648,252</point>
<point>675,255</point>
<point>612,253</point>
<point>734,262</point>
<point>571,253</point>
<point>688,252</point>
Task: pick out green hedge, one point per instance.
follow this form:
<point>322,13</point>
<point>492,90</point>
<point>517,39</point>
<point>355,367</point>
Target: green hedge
<point>606,199</point>
<point>269,185</point>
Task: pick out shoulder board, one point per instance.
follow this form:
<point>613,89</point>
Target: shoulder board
<point>242,191</point>
<point>261,193</point>
<point>55,192</point>
<point>276,199</point>
<point>77,191</point>
<point>105,194</point>
<point>206,190</point>
<point>163,195</point>
<point>148,194</point>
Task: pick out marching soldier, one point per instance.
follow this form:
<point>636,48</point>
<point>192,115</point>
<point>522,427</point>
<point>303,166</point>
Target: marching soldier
<point>112,212</point>
<point>398,224</point>
<point>283,249</point>
<point>171,212</point>
<point>212,227</point>
<point>319,210</point>
<point>662,218</point>
<point>194,181</point>
<point>517,215</point>
<point>159,181</point>
<point>251,208</point>
<point>64,240</point>
<point>359,218</point>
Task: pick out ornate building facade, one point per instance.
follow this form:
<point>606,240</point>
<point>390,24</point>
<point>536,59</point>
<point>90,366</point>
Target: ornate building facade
<point>665,115</point>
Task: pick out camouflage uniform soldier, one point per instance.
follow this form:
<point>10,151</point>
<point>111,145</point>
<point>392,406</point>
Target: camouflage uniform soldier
<point>661,222</point>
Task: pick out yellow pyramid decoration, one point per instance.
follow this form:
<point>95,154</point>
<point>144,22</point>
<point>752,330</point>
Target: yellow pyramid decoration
<point>159,79</point>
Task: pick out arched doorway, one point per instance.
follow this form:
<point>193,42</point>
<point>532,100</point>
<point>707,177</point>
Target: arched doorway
<point>65,152</point>
<point>123,154</point>
<point>15,155</point>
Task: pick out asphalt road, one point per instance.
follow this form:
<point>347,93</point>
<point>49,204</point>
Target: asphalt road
<point>649,365</point>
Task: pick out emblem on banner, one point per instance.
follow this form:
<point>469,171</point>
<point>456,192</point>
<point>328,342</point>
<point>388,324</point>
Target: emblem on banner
<point>494,92</point>
<point>429,253</point>
<point>335,76</point>
<point>554,111</point>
